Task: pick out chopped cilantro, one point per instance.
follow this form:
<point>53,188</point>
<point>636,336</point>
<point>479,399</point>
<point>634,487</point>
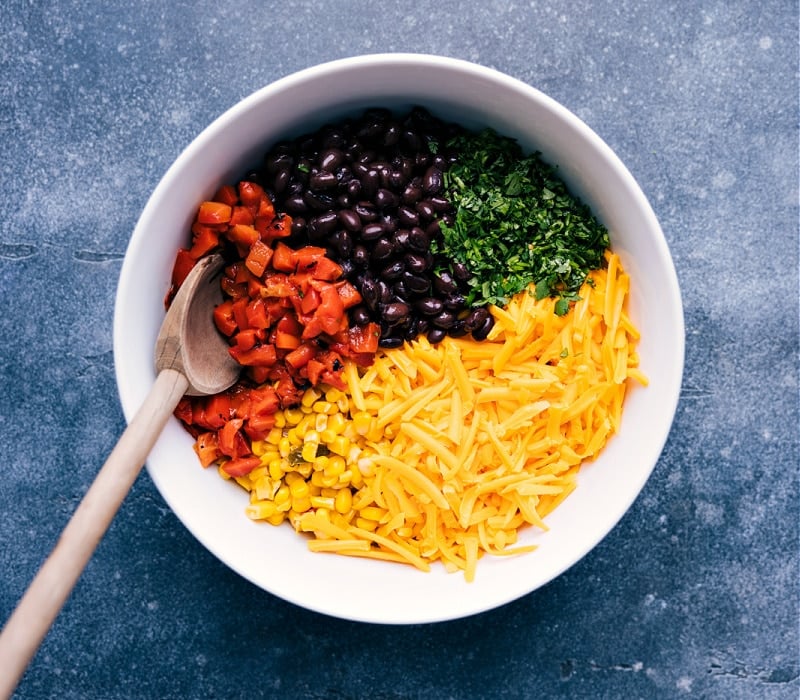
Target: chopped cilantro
<point>516,224</point>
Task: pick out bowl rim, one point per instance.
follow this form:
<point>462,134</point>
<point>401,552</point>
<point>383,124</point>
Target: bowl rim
<point>206,137</point>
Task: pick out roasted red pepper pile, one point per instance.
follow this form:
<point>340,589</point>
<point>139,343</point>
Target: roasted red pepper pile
<point>284,314</point>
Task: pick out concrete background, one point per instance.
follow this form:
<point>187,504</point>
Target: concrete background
<point>693,594</point>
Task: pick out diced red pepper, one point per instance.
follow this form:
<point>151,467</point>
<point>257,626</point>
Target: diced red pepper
<point>258,258</point>
<point>242,466</point>
<point>226,195</point>
<point>259,356</point>
<point>214,213</point>
<point>284,259</point>
<point>207,448</point>
<point>224,319</point>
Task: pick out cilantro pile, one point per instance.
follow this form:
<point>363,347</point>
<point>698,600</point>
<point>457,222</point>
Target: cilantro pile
<point>516,224</point>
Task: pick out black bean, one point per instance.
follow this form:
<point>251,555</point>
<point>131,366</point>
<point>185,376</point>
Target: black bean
<point>383,249</point>
<point>433,229</point>
<point>400,240</point>
<point>396,180</point>
<point>331,159</point>
<point>439,204</point>
<point>457,330</point>
<point>347,267</point>
<point>444,319</point>
<point>360,315</point>
<point>482,332</point>
<point>298,225</point>
<point>416,284</point>
<point>359,169</point>
<point>390,341</point>
<point>429,306</point>
<point>444,283</point>
<point>432,181</point>
<point>425,210</point>
<point>412,193</point>
<point>385,199</point>
<point>407,216</point>
<point>317,200</point>
<point>342,242</point>
<point>370,293</point>
<point>322,225</point>
<point>295,204</point>
<point>415,263</point>
<point>281,181</point>
<point>475,319</point>
<point>418,239</point>
<point>412,139</point>
<point>395,312</point>
<point>400,291</point>
<point>393,271</point>
<point>322,180</point>
<point>370,182</point>
<point>366,211</point>
<point>354,188</point>
<point>423,324</point>
<point>385,291</point>
<point>460,272</point>
<point>454,301</point>
<point>373,231</point>
<point>349,219</point>
<point>343,201</point>
<point>392,135</point>
<point>360,256</point>
<point>436,335</point>
<point>412,330</point>
<point>278,161</point>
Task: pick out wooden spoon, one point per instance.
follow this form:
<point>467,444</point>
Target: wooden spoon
<point>191,358</point>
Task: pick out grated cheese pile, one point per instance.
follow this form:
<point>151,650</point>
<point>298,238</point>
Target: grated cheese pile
<point>452,449</point>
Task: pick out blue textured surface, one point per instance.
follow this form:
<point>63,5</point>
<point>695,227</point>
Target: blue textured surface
<point>693,594</point>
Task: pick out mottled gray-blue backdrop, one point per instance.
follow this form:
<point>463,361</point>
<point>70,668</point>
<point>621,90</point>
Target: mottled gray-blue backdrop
<point>694,594</point>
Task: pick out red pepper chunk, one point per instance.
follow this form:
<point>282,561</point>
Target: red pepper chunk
<point>214,213</point>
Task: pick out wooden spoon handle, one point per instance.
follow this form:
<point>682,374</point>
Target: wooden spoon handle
<point>38,608</point>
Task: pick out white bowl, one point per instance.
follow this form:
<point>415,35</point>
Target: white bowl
<point>275,558</point>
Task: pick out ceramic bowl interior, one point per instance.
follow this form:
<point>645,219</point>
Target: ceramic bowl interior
<point>275,558</point>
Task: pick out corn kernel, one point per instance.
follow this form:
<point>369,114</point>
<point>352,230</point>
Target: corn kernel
<point>298,488</point>
<point>301,505</point>
<point>309,397</point>
<point>362,421</point>
<point>284,447</point>
<point>338,422</point>
<point>335,467</point>
<point>322,502</point>
<point>325,407</point>
<point>309,451</point>
<point>274,436</point>
<point>372,513</point>
<point>275,469</point>
<point>320,422</point>
<point>343,501</point>
<point>280,420</point>
<point>276,519</point>
<point>365,524</point>
<point>295,439</point>
<point>293,416</point>
<point>340,445</point>
<point>321,462</point>
<point>260,510</point>
<point>318,479</point>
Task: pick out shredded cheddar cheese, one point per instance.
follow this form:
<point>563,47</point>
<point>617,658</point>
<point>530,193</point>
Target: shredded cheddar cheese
<point>450,450</point>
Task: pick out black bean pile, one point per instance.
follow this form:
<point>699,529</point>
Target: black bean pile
<point>371,191</point>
